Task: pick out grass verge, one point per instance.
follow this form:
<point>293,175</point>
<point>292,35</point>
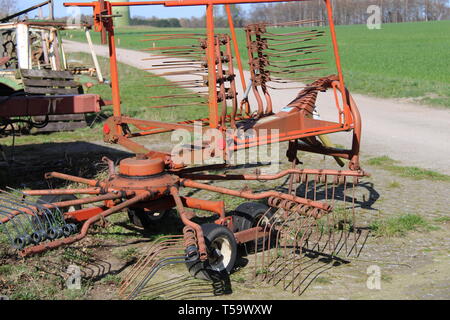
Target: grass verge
<point>386,163</point>
<point>399,225</point>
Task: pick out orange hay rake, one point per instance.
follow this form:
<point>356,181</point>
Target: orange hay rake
<point>281,227</point>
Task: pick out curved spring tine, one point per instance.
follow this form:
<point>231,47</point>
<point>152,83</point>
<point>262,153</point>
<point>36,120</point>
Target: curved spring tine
<point>144,260</point>
<point>293,51</point>
<point>44,211</point>
<point>150,263</point>
<point>60,214</point>
<point>294,230</point>
<point>285,257</point>
<point>184,287</point>
<point>45,220</point>
<point>288,230</point>
<point>281,229</point>
<point>40,219</point>
<point>268,228</point>
<point>291,33</point>
<point>5,227</point>
<point>24,229</point>
<point>10,198</point>
<point>300,245</point>
<point>293,38</point>
<point>13,200</point>
<point>304,230</point>
<point>16,221</point>
<point>276,261</point>
<point>149,276</point>
<point>37,203</point>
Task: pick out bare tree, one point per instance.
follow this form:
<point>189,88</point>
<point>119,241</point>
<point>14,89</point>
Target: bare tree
<point>7,7</point>
<point>344,12</point>
<point>353,11</point>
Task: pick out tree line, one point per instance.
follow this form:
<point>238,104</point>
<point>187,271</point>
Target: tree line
<point>353,11</point>
<point>156,22</point>
<point>344,12</point>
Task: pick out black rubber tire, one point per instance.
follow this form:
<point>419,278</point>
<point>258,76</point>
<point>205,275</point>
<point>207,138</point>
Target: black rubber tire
<point>141,218</point>
<point>211,270</point>
<point>52,198</point>
<point>246,216</point>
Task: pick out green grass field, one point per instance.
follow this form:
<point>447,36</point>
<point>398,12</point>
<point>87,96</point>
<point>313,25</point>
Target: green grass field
<point>405,60</point>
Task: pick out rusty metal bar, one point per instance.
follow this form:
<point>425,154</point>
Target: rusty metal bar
<point>57,243</point>
<point>279,175</point>
<point>254,196</point>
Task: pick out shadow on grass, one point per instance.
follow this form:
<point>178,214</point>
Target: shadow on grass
<point>32,161</point>
<point>187,287</point>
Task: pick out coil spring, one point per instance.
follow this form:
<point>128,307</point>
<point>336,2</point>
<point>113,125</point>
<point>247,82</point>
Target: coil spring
<point>28,223</point>
<point>292,206</point>
<point>323,178</point>
<point>190,242</point>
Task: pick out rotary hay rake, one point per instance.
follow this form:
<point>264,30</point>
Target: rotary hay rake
<point>315,216</point>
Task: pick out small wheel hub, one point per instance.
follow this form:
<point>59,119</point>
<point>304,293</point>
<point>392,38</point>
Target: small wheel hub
<point>220,254</point>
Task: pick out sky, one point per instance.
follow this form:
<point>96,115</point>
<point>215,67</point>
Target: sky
<point>145,11</point>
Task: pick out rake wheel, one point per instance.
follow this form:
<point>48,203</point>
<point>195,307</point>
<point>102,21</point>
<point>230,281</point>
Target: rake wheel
<point>297,225</point>
<point>247,215</point>
<point>222,252</point>
<point>143,219</point>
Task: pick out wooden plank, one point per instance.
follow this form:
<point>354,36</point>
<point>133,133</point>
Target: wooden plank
<point>42,73</point>
<point>43,90</point>
<point>61,126</point>
<point>61,117</point>
<point>50,83</point>
<point>18,106</point>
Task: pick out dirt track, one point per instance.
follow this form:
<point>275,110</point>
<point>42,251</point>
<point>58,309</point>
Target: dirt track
<point>413,134</point>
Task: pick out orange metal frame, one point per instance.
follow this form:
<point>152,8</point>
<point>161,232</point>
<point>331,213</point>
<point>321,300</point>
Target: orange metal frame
<point>348,118</point>
<point>145,182</point>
